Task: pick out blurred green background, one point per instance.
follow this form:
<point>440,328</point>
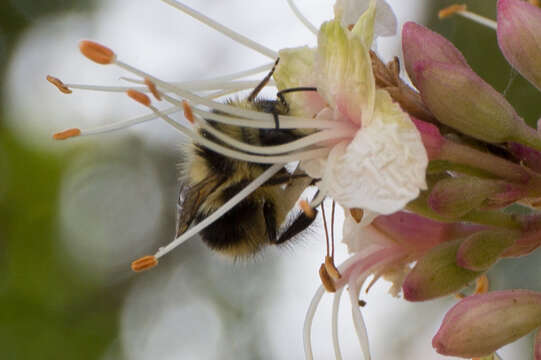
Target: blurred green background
<point>55,304</point>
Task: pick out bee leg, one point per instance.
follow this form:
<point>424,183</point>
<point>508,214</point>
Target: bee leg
<point>301,222</point>
<point>269,213</point>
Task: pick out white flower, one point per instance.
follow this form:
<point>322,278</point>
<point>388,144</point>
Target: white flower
<point>381,166</point>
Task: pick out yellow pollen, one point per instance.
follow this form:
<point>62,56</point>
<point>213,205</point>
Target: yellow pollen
<point>451,10</point>
<point>307,209</point>
<point>152,87</point>
<point>139,97</point>
<point>326,280</point>
<point>357,214</point>
<point>97,52</point>
<point>66,134</point>
<point>188,113</point>
<point>331,268</point>
<point>59,84</point>
<point>144,263</point>
<point>535,2</point>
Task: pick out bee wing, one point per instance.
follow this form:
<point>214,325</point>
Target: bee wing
<point>190,199</point>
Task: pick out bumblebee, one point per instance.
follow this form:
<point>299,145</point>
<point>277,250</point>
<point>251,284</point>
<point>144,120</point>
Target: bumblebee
<point>209,179</point>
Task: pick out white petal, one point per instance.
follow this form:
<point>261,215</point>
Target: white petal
<point>345,76</point>
<point>350,10</point>
<point>362,239</point>
<point>383,168</point>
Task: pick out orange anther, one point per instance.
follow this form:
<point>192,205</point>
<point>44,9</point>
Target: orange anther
<point>188,113</point>
<point>152,87</point>
<point>326,280</point>
<point>451,10</point>
<point>357,214</point>
<point>535,2</point>
<point>66,134</point>
<point>59,84</point>
<point>482,285</point>
<point>139,97</point>
<point>144,263</point>
<point>97,52</point>
<point>307,209</point>
<point>331,268</point>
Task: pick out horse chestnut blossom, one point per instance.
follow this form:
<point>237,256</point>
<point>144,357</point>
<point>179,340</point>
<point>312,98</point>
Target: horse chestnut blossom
<point>423,173</point>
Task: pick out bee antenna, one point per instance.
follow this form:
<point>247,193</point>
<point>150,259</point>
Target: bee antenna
<point>263,83</point>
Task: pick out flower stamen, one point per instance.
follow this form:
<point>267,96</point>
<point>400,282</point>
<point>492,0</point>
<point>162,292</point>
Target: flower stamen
<point>482,284</point>
<point>97,52</point>
<point>330,268</point>
<point>59,84</point>
<point>188,113</point>
<point>139,97</point>
<point>66,134</point>
<point>326,279</point>
<point>334,324</point>
<point>301,17</point>
<point>463,11</point>
<point>152,87</point>
<point>241,39</point>
<point>308,320</point>
<point>144,263</point>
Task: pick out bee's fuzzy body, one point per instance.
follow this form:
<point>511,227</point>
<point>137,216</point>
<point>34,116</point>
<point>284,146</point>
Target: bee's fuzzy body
<point>211,179</point>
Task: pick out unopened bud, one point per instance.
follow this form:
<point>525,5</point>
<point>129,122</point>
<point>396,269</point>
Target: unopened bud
<point>481,324</point>
<point>519,37</point>
<point>437,274</point>
<point>462,100</point>
<point>455,197</point>
<point>421,44</point>
<point>481,250</point>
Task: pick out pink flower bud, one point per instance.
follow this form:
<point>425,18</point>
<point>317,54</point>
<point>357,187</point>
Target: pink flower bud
<point>519,37</point>
<point>462,100</point>
<point>529,240</point>
<point>455,197</point>
<point>421,44</point>
<point>481,324</point>
<point>481,250</point>
<point>437,274</point>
